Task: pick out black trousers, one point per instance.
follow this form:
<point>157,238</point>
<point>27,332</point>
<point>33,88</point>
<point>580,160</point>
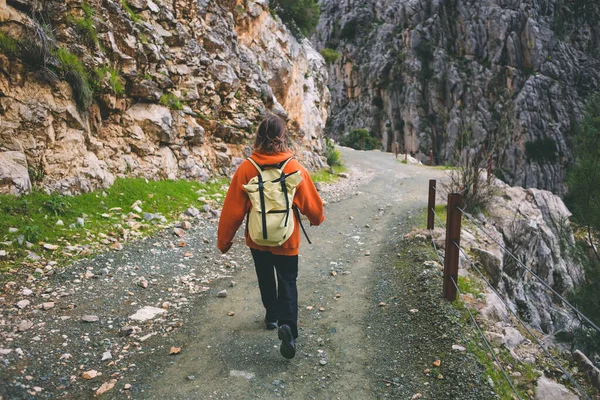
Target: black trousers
<point>280,297</point>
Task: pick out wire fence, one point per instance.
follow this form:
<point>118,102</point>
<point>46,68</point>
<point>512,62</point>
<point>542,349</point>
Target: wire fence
<point>487,344</point>
<point>448,278</point>
<point>520,263</point>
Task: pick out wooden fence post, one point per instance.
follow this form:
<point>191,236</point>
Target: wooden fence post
<point>453,224</point>
<point>431,205</point>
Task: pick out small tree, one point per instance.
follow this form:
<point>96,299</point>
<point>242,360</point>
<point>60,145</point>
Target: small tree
<point>467,177</point>
<point>584,177</point>
<point>360,139</point>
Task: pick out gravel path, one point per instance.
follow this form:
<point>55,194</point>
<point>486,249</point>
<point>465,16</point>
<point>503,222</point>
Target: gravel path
<point>350,345</point>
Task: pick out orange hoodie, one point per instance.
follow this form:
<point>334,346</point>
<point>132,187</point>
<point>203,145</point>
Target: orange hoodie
<point>237,204</point>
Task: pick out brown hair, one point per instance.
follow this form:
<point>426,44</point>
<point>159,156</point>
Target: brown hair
<point>271,136</point>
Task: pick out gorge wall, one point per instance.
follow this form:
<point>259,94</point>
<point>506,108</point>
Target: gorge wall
<point>159,89</point>
<point>502,76</point>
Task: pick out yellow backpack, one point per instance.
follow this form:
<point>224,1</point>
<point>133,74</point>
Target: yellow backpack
<point>270,221</point>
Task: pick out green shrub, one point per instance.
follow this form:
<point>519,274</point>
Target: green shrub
<point>75,73</point>
<point>58,205</point>
<point>8,46</point>
<point>350,29</point>
<point>330,55</point>
<point>300,16</point>
<point>334,158</point>
<point>360,139</point>
<point>85,27</point>
<point>87,9</point>
<point>32,233</point>
<point>424,52</point>
<point>541,150</point>
<point>171,101</point>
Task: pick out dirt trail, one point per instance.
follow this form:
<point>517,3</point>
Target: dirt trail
<point>353,349</point>
<point>341,354</point>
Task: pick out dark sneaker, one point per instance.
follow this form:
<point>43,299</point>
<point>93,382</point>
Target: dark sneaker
<point>270,325</point>
<point>288,347</point>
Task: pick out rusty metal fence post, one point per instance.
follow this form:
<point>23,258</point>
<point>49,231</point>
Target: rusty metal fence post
<point>453,224</point>
<point>490,165</point>
<point>431,204</point>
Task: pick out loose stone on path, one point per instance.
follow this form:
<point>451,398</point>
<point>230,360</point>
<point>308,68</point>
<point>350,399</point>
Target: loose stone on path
<point>146,313</point>
<point>90,318</point>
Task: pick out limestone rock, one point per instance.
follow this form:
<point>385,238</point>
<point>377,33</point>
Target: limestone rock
<point>14,177</point>
<point>146,313</point>
<point>525,94</point>
<point>550,390</point>
<point>180,90</point>
<point>155,120</point>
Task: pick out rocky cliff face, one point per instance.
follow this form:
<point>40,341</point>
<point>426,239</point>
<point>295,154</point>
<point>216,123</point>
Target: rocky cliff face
<point>179,88</point>
<point>534,226</point>
<point>504,75</point>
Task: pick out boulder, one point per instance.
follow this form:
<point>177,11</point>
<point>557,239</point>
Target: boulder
<point>14,176</point>
<point>147,90</point>
<point>550,390</point>
<point>155,120</point>
<point>492,261</point>
<point>225,74</point>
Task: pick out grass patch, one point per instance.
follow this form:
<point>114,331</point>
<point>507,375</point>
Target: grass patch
<point>132,14</point>
<point>501,386</point>
<point>113,78</point>
<point>326,175</point>
<point>8,46</point>
<point>85,25</point>
<point>470,286</point>
<point>35,215</point>
<point>75,73</point>
<point>171,101</point>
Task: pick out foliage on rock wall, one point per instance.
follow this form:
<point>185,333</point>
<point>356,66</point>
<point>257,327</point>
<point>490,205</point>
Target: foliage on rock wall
<point>584,199</point>
<point>330,55</point>
<point>584,178</point>
<point>301,16</point>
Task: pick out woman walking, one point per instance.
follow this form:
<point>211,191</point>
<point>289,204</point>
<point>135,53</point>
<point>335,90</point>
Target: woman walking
<point>270,207</point>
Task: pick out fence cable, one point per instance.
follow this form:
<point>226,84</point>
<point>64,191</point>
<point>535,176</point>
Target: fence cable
<point>586,319</point>
<point>438,218</point>
<point>522,323</point>
<point>478,329</point>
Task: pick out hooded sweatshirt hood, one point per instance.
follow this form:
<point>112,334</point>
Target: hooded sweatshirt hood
<point>264,159</point>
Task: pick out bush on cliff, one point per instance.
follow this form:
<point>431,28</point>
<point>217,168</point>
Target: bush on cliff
<point>75,73</point>
<point>300,16</point>
<point>330,55</point>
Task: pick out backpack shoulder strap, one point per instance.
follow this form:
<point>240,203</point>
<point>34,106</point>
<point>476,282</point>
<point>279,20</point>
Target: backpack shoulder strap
<point>286,163</point>
<point>260,170</point>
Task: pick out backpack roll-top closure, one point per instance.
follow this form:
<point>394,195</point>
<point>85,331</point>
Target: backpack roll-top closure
<point>271,193</point>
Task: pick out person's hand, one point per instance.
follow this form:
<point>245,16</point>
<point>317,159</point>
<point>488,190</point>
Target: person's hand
<point>226,248</point>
